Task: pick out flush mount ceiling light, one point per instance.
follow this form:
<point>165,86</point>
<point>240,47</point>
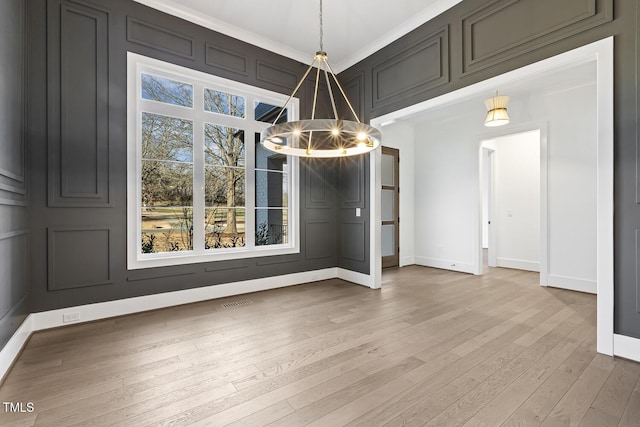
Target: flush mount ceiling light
<point>321,137</point>
<point>497,111</point>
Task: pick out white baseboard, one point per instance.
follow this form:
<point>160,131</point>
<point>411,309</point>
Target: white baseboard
<point>355,277</point>
<point>626,347</point>
<point>445,264</point>
<point>103,310</point>
<point>12,349</point>
<point>409,260</point>
<point>89,312</point>
<point>572,283</point>
<point>518,264</point>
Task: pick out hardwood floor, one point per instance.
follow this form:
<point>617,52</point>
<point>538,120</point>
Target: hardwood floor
<point>432,348</point>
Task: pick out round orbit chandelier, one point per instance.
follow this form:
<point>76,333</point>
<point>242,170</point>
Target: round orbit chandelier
<point>315,137</point>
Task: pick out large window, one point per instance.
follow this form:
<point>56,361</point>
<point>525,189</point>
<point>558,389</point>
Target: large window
<point>200,186</point>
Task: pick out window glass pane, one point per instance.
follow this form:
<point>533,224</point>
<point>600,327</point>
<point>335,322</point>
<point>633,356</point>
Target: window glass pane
<point>165,90</point>
<point>265,112</point>
<point>388,237</point>
<point>224,187</point>
<point>387,169</point>
<point>224,228</point>
<point>166,138</point>
<point>166,183</point>
<point>272,189</point>
<point>224,103</point>
<point>272,226</point>
<point>167,229</point>
<point>388,205</point>
<point>223,146</point>
<point>268,160</point>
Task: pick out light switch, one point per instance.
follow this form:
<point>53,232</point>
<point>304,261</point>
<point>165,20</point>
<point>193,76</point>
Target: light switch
<point>358,212</point>
<point>510,213</point>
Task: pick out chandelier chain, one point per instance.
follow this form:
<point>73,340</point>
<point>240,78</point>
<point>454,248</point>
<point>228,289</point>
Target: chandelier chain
<point>321,31</point>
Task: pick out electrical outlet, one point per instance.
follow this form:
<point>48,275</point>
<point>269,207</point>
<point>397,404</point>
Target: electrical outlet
<point>70,317</point>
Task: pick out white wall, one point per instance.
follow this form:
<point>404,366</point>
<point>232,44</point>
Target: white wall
<point>572,153</point>
<point>516,196</point>
<point>447,190</point>
<point>400,135</point>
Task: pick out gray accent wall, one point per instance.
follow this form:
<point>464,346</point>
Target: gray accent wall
<point>14,229</point>
<point>479,39</point>
<point>77,151</point>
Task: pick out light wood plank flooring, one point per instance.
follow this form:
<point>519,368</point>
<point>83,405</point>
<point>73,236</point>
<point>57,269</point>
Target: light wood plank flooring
<point>432,348</point>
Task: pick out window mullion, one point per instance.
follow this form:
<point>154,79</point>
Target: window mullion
<point>250,178</point>
<point>198,169</point>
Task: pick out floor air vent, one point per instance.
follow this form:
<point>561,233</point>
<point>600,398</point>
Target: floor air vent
<point>237,303</point>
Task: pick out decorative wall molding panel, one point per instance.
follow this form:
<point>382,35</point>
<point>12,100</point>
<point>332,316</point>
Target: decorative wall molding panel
<point>318,178</point>
<point>353,240</point>
<point>78,106</point>
<point>159,38</point>
<point>155,273</point>
<point>417,68</point>
<point>503,29</point>
<point>275,75</point>
<point>354,88</point>
<point>13,275</point>
<point>79,257</point>
<point>322,245</point>
<point>12,120</point>
<point>352,179</point>
<point>226,60</point>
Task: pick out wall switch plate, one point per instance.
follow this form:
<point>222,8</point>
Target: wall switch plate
<point>510,213</point>
<point>358,212</point>
<point>70,317</point>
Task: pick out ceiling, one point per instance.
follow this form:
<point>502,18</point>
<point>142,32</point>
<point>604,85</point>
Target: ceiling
<point>353,29</point>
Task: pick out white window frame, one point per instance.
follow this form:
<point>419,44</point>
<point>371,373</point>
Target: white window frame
<point>137,65</point>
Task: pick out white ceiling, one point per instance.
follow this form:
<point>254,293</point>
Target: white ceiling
<point>353,29</point>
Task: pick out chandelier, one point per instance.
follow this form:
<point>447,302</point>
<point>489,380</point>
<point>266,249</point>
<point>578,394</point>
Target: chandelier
<point>315,137</point>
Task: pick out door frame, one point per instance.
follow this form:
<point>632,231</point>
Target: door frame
<point>485,146</point>
<point>393,260</point>
<point>541,127</point>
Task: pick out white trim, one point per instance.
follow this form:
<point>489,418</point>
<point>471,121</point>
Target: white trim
<point>355,277</point>
<point>602,52</point>
<point>11,350</point>
<point>573,283</point>
<point>138,64</point>
<point>518,264</point>
<point>605,304</point>
<point>627,347</point>
<point>90,312</point>
<point>174,8</point>
<point>409,260</point>
<point>375,231</point>
<point>445,264</point>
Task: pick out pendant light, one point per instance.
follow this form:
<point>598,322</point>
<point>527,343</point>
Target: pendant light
<point>314,137</point>
<point>497,111</point>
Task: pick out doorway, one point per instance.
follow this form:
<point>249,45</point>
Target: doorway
<point>512,171</point>
<point>390,204</point>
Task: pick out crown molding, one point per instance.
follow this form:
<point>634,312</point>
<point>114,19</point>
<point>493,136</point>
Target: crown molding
<point>174,8</point>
